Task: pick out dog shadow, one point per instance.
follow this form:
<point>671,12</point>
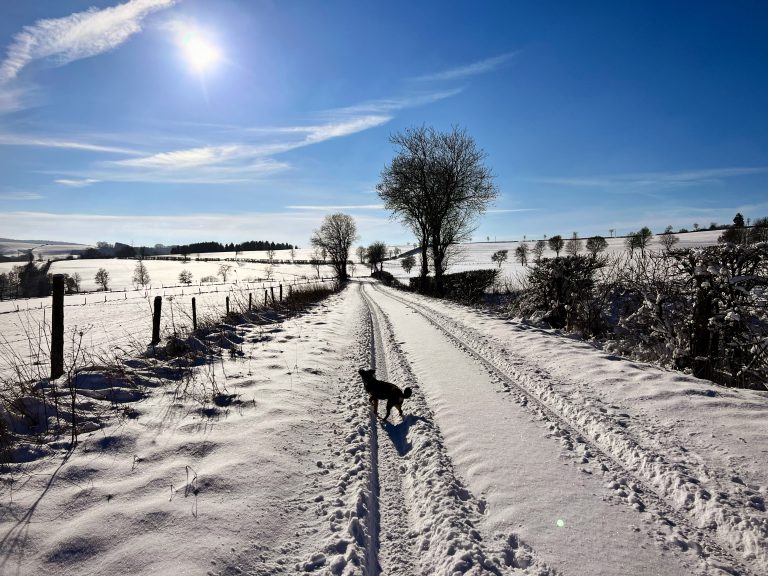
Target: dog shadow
<point>398,433</point>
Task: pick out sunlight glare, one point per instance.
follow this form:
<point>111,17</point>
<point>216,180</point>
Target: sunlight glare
<point>199,52</point>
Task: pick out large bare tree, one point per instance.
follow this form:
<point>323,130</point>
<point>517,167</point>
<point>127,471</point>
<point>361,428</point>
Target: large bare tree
<point>437,184</point>
<point>335,237</point>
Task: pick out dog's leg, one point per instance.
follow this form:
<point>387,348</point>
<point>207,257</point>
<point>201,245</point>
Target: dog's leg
<point>389,408</point>
<point>400,409</point>
<point>375,406</point>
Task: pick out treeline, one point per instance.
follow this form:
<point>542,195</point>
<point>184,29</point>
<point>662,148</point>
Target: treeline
<point>201,247</point>
<point>27,281</point>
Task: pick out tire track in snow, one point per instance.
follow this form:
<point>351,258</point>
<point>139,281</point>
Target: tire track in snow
<point>387,501</point>
<point>617,453</point>
<point>422,505</point>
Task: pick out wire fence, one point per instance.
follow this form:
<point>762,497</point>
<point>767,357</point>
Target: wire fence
<point>84,298</point>
<point>99,328</point>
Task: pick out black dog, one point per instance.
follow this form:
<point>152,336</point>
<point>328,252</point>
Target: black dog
<point>381,390</point>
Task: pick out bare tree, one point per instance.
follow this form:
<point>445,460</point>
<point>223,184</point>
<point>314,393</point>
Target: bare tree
<point>360,251</point>
<point>538,249</point>
<point>316,261</point>
<point>668,239</point>
<point>102,278</point>
<point>644,236</point>
<point>437,184</point>
<point>556,244</point>
<point>224,271</point>
<point>596,244</point>
<point>73,282</point>
<point>408,263</point>
<point>185,277</point>
<point>500,256</point>
<point>270,254</point>
<point>335,237</point>
<point>141,275</point>
<point>376,254</point>
<point>759,231</point>
<point>573,245</point>
<point>521,253</point>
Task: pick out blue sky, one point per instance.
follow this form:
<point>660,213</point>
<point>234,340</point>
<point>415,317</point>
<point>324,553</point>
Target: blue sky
<point>175,121</point>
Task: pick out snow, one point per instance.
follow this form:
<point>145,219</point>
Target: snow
<point>477,255</point>
<point>122,317</point>
<point>522,451</point>
<point>44,248</point>
<point>166,272</point>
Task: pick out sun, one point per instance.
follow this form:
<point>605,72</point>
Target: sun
<point>200,53</point>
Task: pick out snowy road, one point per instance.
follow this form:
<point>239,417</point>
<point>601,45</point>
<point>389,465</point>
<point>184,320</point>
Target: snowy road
<point>582,491</point>
<point>522,451</point>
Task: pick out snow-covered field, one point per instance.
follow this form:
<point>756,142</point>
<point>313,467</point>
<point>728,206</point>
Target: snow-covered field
<point>477,255</point>
<point>522,451</point>
<point>120,320</point>
<point>44,248</point>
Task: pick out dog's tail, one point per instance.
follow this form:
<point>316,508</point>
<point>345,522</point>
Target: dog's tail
<point>407,393</point>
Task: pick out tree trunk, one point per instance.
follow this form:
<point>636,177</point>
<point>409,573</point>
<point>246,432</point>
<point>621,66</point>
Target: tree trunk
<point>424,269</point>
<point>701,335</point>
<point>437,261</point>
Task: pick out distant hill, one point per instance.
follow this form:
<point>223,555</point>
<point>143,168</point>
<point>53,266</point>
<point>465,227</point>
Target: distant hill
<point>46,248</point>
<point>38,242</point>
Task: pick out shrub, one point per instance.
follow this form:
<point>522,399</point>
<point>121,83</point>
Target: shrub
<point>386,278</point>
<point>562,289</point>
<point>706,311</point>
<point>469,286</point>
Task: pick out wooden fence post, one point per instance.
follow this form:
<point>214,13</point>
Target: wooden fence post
<point>57,327</point>
<point>227,305</point>
<point>250,301</point>
<point>156,320</point>
<point>281,292</point>
<point>272,291</point>
<point>265,298</point>
<point>194,314</point>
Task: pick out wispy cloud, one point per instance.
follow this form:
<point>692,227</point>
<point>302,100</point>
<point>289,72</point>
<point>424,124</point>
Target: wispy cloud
<point>468,70</point>
<point>337,207</point>
<point>294,227</point>
<point>233,161</point>
<point>53,142</point>
<point>62,40</point>
<point>12,99</point>
<point>20,196</point>
<point>510,210</point>
<point>72,183</point>
<point>79,35</point>
<point>640,180</point>
<point>391,105</point>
